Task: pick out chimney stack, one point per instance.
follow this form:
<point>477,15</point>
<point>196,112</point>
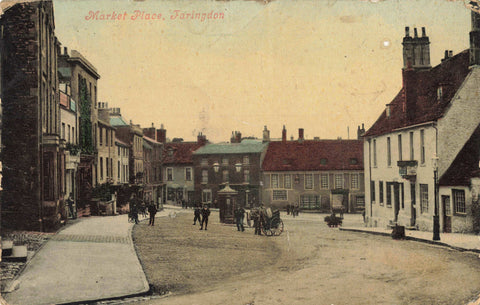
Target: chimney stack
<point>284,135</point>
<point>161,135</point>
<point>416,50</point>
<point>201,139</point>
<point>475,40</point>
<point>238,137</point>
<point>300,135</point>
<point>150,132</point>
<point>266,134</point>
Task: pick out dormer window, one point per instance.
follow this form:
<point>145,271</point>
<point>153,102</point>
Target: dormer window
<point>388,110</point>
<point>323,161</point>
<point>170,152</point>
<point>353,161</point>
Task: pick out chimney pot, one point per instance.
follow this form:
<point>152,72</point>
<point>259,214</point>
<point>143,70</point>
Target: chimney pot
<point>415,33</point>
<point>450,53</point>
<point>423,32</point>
<point>407,31</point>
<point>284,134</point>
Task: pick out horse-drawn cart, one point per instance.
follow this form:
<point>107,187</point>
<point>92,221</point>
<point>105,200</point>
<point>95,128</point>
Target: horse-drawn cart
<point>272,224</point>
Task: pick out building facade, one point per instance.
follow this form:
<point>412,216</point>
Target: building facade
<point>78,78</point>
<point>178,170</point>
<point>320,175</point>
<point>106,158</point>
<point>32,156</point>
<point>422,153</point>
<point>235,164</point>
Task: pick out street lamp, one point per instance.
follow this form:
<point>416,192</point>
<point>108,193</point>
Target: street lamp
<point>436,218</point>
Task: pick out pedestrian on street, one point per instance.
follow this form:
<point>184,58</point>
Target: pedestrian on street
<point>134,202</point>
<point>239,217</point>
<point>70,203</point>
<point>196,214</point>
<point>255,216</point>
<point>205,214</point>
<point>152,210</point>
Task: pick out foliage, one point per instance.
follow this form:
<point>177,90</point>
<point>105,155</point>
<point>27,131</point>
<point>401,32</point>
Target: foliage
<point>102,192</point>
<point>72,148</point>
<point>86,143</point>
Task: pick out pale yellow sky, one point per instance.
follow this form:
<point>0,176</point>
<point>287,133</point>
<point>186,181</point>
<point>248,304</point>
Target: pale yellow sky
<point>317,65</point>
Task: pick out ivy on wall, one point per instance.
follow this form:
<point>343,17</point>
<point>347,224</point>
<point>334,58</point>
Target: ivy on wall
<point>86,143</point>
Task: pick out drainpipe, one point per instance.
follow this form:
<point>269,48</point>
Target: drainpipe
<point>436,217</point>
<point>370,177</point>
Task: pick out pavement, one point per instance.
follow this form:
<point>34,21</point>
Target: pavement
<point>92,259</point>
<point>457,241</point>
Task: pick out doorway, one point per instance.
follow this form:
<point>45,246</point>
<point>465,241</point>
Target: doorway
<point>413,205</point>
<point>447,214</point>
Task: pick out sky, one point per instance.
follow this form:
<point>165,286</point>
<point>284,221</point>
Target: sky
<point>325,66</point>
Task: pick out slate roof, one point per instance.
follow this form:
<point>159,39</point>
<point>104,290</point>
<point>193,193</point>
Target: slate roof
<point>118,121</point>
<point>182,152</point>
<point>244,147</point>
<point>313,155</point>
<point>450,74</point>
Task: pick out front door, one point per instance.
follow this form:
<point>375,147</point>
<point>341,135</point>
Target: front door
<point>396,198</point>
<point>413,206</point>
<point>447,214</point>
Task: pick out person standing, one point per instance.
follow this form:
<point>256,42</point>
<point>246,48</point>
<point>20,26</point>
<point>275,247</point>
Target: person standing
<point>134,208</point>
<point>70,203</point>
<point>255,216</point>
<point>196,214</point>
<point>205,214</point>
<point>152,210</point>
<point>239,217</point>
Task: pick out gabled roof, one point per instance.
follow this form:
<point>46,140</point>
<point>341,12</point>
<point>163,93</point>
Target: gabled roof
<point>245,147</point>
<point>449,75</point>
<point>179,152</point>
<point>313,155</point>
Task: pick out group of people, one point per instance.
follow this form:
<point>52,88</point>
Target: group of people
<point>137,206</point>
<point>201,214</point>
<point>293,209</point>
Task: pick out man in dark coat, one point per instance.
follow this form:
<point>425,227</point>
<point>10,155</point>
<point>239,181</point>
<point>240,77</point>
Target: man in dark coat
<point>255,216</point>
<point>205,214</point>
<point>239,216</point>
<point>196,214</point>
<point>152,210</point>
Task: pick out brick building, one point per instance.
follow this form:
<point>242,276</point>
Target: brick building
<point>235,164</point>
<point>32,156</point>
<point>152,152</point>
<point>317,175</point>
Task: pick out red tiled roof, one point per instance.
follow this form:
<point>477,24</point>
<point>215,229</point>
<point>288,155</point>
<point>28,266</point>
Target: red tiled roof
<point>182,152</point>
<point>307,156</point>
<point>450,74</point>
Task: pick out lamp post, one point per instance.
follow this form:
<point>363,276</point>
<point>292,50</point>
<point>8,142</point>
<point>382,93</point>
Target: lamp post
<point>436,218</point>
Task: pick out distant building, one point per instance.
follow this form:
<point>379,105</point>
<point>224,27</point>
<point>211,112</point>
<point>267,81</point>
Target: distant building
<point>106,158</point>
<point>152,152</point>
<point>178,168</point>
<point>235,164</point>
<point>422,153</point>
<point>315,174</point>
<point>32,156</point>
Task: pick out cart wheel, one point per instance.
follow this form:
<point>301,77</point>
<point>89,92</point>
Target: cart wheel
<point>279,229</point>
